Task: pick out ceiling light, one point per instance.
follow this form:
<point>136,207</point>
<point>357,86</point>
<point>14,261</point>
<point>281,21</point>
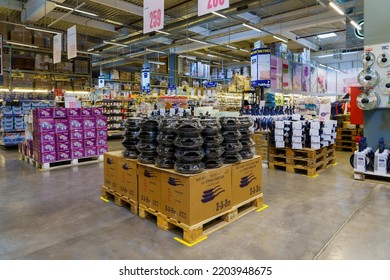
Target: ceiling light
<point>90,49</point>
<point>156,62</point>
<point>216,63</point>
<point>336,8</point>
<point>22,45</point>
<point>89,53</point>
<point>197,41</point>
<point>150,50</point>
<point>244,50</point>
<point>188,57</point>
<point>211,55</point>
<point>114,22</point>
<point>220,15</point>
<point>357,26</point>
<point>281,39</point>
<point>232,47</point>
<point>236,60</point>
<point>79,11</point>
<point>327,35</point>
<point>115,44</point>
<point>42,30</point>
<point>251,27</point>
<point>163,32</point>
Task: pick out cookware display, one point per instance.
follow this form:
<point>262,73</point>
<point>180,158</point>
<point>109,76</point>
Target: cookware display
<point>130,140</point>
<point>232,136</point>
<point>147,140</point>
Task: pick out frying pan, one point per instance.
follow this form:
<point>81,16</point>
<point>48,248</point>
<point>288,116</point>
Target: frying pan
<point>246,183</point>
<point>210,198</point>
<point>211,190</point>
<point>206,195</point>
<point>384,85</point>
<point>368,58</point>
<point>174,182</point>
<point>383,60</point>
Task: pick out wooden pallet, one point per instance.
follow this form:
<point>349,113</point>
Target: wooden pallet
<point>309,154</point>
<point>61,164</point>
<point>309,171</point>
<point>120,200</point>
<point>307,162</point>
<point>330,161</point>
<point>277,159</point>
<point>345,143</point>
<point>277,151</point>
<point>345,149</point>
<point>194,233</point>
<point>346,131</point>
<point>277,166</point>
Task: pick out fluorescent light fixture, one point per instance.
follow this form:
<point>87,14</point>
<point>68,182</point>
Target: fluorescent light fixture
<point>251,27</point>
<point>220,15</point>
<point>244,50</point>
<point>336,8</point>
<point>150,50</point>
<point>320,64</point>
<point>31,90</point>
<point>156,62</point>
<point>42,30</point>
<point>197,41</point>
<point>4,89</point>
<point>231,47</point>
<point>22,45</point>
<point>90,49</point>
<point>115,44</point>
<point>281,39</point>
<point>211,55</point>
<point>163,32</point>
<point>327,35</point>
<point>216,63</point>
<point>325,55</point>
<point>188,57</point>
<point>356,25</point>
<point>79,11</point>
<point>114,22</point>
<point>236,60</point>
<point>89,53</point>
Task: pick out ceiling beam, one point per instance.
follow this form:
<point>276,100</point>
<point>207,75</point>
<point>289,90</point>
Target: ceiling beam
<point>306,43</point>
<point>84,21</point>
<point>34,10</point>
<point>162,40</point>
<point>122,5</point>
<point>200,30</point>
<point>13,5</point>
<point>250,17</point>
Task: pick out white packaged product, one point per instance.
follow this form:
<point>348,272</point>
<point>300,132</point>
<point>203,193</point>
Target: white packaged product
<point>279,138</point>
<point>279,124</point>
<point>315,146</point>
<point>297,132</point>
<point>297,139</point>
<point>297,146</point>
<point>314,132</point>
<point>315,139</point>
<point>279,131</point>
<point>280,144</point>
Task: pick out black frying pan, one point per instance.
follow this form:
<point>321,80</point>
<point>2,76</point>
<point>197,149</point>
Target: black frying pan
<point>210,198</point>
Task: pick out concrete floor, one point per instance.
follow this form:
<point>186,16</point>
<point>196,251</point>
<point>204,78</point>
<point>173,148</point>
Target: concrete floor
<point>59,215</point>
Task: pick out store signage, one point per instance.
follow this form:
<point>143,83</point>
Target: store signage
<point>101,83</point>
<point>70,102</point>
<point>57,48</point>
<point>153,15</point>
<point>209,6</point>
<point>261,67</point>
<point>72,42</point>
<point>145,80</point>
<point>1,55</point>
<point>211,85</point>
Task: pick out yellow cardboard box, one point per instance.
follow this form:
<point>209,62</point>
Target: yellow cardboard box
<point>149,186</point>
<point>127,178</point>
<point>191,199</point>
<point>111,163</point>
<point>246,180</point>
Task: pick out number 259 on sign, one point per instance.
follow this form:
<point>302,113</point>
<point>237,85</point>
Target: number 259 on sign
<point>153,15</point>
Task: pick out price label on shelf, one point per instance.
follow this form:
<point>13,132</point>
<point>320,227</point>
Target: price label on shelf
<point>209,6</point>
<point>70,102</point>
<point>153,15</point>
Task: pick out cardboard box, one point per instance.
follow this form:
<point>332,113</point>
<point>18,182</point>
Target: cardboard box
<point>45,147</point>
<point>89,122</point>
<point>63,137</point>
<point>97,111</point>
<point>76,134</point>
<point>43,113</point>
<point>60,113</point>
<point>91,134</point>
<point>44,137</point>
<point>90,151</point>
<point>76,122</point>
<point>77,144</point>
<point>45,157</point>
<point>191,199</point>
<point>111,163</point>
<point>62,125</point>
<point>43,125</point>
<point>86,112</point>
<point>101,142</point>
<point>74,112</point>
<point>89,142</point>
<point>101,121</point>
<point>101,150</point>
<point>246,180</point>
<point>102,133</point>
<point>64,155</point>
<point>63,146</point>
<point>77,153</point>
<point>127,178</point>
<point>149,186</point>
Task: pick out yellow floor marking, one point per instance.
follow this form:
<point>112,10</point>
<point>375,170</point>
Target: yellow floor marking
<point>189,244</point>
<point>335,164</point>
<point>265,206</point>
<point>105,200</point>
<point>314,176</point>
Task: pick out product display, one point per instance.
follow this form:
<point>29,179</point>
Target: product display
<point>147,137</point>
<point>131,138</point>
<point>232,136</point>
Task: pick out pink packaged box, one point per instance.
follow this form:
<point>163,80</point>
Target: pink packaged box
<point>101,121</point>
<point>101,150</point>
<point>76,134</point>
<point>86,112</point>
<point>97,111</point>
<point>41,125</point>
<point>63,137</point>
<point>74,112</point>
<point>101,142</point>
<point>60,113</point>
<point>76,123</point>
<point>78,153</point>
<point>63,146</point>
<point>45,157</point>
<point>89,122</point>
<point>90,133</point>
<point>62,125</point>
<point>44,137</point>
<point>64,155</point>
<point>45,147</point>
<point>77,144</point>
<point>90,152</point>
<point>43,113</point>
<point>101,133</point>
<point>90,142</point>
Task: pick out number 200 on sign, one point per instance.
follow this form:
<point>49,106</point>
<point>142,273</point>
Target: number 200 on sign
<point>155,18</point>
<point>214,4</point>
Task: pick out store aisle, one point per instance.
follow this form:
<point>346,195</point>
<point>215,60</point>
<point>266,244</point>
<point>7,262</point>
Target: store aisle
<point>59,215</point>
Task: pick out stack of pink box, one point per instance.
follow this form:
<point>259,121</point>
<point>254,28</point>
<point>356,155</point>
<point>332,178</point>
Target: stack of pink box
<point>65,134</point>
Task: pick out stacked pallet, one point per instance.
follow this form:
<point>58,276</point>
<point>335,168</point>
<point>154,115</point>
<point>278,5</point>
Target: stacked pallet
<point>346,139</point>
<point>261,146</point>
<point>309,162</point>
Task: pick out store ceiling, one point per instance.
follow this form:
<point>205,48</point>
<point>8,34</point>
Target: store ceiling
<point>299,21</point>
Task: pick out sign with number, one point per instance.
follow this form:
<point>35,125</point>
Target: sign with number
<point>70,102</point>
<point>72,42</point>
<point>208,6</point>
<point>57,48</point>
<point>153,15</point>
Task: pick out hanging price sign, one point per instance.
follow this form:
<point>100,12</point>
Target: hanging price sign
<point>153,15</point>
<point>208,6</point>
